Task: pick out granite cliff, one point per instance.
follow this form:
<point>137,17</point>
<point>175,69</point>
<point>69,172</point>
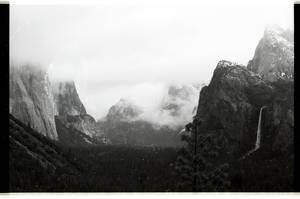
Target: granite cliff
<point>31,99</point>
<point>41,103</point>
<point>229,106</point>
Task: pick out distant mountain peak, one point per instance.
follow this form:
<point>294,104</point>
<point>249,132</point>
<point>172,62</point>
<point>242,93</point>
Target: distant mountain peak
<point>124,102</point>
<point>123,110</point>
<point>274,54</point>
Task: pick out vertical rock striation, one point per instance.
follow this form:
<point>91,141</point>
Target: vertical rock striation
<point>31,99</point>
<point>38,102</point>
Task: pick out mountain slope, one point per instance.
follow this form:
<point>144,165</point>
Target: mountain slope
<point>39,102</point>
<point>123,125</point>
<point>274,55</point>
<point>258,145</point>
<point>35,161</point>
<point>225,105</point>
<point>72,114</point>
<point>67,98</point>
<point>69,134</point>
<point>127,123</point>
<point>230,104</point>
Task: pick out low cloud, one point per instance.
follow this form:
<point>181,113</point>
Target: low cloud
<point>177,109</point>
<point>134,50</point>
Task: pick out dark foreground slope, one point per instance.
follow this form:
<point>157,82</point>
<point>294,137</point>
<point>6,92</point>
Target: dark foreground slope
<point>40,164</point>
<point>35,162</point>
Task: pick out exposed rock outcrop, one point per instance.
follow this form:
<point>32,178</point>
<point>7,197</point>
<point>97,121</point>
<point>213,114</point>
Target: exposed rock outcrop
<point>67,99</point>
<point>31,99</point>
<point>34,160</point>
<point>230,104</point>
<point>274,55</point>
<point>226,104</point>
<point>71,111</point>
<point>40,103</point>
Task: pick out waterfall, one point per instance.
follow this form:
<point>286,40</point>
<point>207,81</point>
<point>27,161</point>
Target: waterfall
<point>258,134</point>
<point>182,131</point>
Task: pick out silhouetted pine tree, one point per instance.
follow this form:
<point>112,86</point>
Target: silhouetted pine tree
<point>197,167</point>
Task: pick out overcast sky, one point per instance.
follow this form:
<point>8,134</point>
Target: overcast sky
<point>133,50</point>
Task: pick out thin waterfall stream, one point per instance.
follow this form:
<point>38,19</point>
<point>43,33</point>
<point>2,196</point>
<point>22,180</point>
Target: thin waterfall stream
<point>258,134</point>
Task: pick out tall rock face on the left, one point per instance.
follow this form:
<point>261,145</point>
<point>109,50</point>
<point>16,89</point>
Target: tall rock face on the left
<point>31,99</point>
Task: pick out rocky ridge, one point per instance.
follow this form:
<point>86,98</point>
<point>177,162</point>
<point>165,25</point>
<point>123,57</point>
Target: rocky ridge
<point>40,103</point>
<point>229,106</point>
<point>274,55</point>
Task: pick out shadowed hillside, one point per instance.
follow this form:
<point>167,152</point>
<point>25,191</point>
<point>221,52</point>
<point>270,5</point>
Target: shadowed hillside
<point>40,164</point>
